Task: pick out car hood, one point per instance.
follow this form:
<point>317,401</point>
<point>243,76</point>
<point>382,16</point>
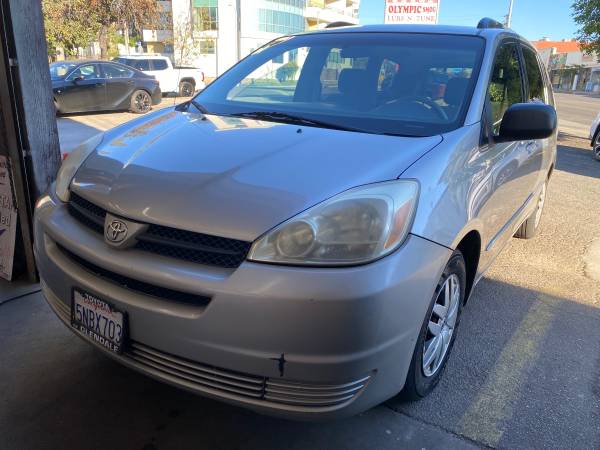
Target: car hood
<point>233,177</point>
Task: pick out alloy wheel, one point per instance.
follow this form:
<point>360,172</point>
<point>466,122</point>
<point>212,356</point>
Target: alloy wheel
<point>142,101</point>
<point>442,323</point>
<point>596,147</point>
<point>187,90</point>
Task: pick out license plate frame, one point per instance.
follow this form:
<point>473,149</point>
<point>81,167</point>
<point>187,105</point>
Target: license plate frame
<point>94,328</point>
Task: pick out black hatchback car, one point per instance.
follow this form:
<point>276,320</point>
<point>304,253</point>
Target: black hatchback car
<point>80,86</point>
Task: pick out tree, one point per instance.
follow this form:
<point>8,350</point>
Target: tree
<point>69,25</point>
<point>123,14</point>
<point>287,71</point>
<point>185,47</point>
<point>586,14</point>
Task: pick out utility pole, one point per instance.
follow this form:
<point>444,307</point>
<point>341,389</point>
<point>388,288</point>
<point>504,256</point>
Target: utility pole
<point>509,15</point>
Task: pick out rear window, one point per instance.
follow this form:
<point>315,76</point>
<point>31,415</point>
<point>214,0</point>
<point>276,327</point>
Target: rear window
<point>393,83</point>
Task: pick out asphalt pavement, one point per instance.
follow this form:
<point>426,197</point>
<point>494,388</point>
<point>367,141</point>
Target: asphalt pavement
<point>524,372</point>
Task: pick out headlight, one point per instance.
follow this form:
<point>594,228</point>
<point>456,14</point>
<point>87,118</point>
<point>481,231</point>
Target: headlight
<point>356,226</point>
<point>72,163</point>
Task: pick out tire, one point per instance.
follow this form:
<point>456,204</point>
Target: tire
<point>596,146</point>
<point>423,375</point>
<point>530,227</point>
<point>186,89</point>
<point>141,102</point>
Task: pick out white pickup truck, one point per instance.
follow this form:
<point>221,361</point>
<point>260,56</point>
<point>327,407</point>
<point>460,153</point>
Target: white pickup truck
<point>183,81</point>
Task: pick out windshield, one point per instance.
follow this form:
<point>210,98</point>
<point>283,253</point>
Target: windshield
<point>386,83</point>
<point>60,69</point>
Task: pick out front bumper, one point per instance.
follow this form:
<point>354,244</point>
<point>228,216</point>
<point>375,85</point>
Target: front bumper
<point>304,343</point>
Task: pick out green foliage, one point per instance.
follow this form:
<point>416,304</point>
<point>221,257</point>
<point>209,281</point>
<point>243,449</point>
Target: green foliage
<point>69,24</point>
<point>586,14</point>
<point>287,71</point>
<point>77,23</point>
<point>496,92</point>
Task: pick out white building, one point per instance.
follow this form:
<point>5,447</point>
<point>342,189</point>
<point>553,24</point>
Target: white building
<point>215,34</point>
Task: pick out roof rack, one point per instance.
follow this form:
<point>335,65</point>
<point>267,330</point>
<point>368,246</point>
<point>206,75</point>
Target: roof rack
<point>486,22</point>
<point>339,24</point>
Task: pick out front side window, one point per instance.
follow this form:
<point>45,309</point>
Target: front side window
<point>505,87</point>
<point>114,71</point>
<point>205,15</point>
<point>535,82</point>
<point>60,69</point>
<point>87,72</point>
<point>393,83</point>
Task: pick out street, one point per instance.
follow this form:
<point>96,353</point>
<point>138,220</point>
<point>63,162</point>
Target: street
<point>524,371</point>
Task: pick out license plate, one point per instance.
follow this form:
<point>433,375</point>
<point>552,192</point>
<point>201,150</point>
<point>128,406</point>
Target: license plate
<point>98,320</point>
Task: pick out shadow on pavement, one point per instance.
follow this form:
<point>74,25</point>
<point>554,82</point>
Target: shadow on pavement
<point>71,133</point>
<point>577,160</point>
<point>524,373</point>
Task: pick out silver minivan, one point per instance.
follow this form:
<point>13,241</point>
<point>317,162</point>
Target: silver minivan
<point>301,236</point>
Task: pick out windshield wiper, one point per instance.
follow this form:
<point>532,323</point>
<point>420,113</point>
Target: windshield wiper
<point>277,116</point>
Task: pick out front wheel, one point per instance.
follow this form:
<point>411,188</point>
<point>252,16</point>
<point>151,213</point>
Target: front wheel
<point>596,146</point>
<point>141,102</point>
<point>530,227</point>
<point>438,331</point>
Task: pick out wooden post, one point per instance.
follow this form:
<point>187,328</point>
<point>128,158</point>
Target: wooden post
<point>28,117</point>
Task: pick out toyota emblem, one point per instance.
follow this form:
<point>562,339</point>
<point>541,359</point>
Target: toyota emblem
<point>116,231</point>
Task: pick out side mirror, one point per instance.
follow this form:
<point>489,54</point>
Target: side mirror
<point>77,79</point>
<point>526,122</point>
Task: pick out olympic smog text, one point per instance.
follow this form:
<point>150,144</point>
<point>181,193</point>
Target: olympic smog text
<point>412,11</point>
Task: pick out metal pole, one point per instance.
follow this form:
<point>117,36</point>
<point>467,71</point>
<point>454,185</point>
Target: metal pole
<point>509,15</point>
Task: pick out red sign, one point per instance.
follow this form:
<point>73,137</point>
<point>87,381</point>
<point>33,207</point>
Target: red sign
<point>412,11</point>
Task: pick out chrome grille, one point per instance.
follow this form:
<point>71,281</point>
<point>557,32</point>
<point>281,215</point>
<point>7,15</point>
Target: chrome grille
<point>263,389</point>
<point>171,242</point>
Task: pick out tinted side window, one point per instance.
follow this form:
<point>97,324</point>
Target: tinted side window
<point>113,71</point>
<point>139,64</point>
<point>159,64</point>
<point>88,72</point>
<point>505,86</point>
<point>535,81</point>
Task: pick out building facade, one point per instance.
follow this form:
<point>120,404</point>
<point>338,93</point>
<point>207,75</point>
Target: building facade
<point>215,34</point>
<point>570,68</point>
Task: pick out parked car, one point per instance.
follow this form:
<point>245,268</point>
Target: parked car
<point>80,86</point>
<point>183,81</point>
<point>299,252</point>
<point>595,137</point>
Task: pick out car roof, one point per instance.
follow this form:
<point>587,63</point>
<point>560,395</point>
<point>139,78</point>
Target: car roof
<point>422,29</point>
<point>141,57</point>
<point>82,61</point>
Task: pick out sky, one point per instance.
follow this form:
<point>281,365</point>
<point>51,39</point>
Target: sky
<point>532,19</point>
